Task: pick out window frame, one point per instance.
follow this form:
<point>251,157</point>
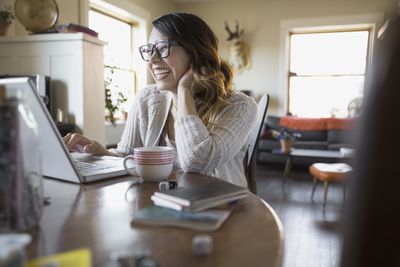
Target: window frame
<point>133,68</point>
<point>133,26</point>
<point>367,28</point>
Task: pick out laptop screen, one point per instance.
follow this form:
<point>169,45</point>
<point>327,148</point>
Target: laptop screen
<point>56,160</point>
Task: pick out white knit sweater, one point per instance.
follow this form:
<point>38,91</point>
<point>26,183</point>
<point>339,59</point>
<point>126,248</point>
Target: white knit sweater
<point>217,152</point>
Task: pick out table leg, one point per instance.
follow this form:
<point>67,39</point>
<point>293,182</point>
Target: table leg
<point>288,167</point>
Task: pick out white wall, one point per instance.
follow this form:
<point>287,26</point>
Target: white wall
<point>72,10</point>
<point>140,11</point>
<point>156,7</point>
<point>261,21</point>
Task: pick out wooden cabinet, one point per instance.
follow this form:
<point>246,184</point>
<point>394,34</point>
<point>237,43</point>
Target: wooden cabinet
<point>74,62</point>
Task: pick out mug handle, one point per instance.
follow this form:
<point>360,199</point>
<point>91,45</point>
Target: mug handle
<point>130,157</point>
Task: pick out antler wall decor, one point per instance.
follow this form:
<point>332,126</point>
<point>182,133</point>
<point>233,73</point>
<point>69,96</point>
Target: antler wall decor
<point>239,53</point>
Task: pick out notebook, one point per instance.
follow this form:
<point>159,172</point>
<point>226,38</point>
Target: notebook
<point>209,220</point>
<point>57,161</point>
<point>201,197</point>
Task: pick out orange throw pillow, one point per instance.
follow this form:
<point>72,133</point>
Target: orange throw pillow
<point>340,124</point>
<point>303,124</point>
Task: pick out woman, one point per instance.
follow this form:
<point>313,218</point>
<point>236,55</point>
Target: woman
<point>192,106</point>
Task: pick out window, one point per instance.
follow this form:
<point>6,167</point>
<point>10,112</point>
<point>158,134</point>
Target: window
<point>118,73</point>
<point>326,72</point>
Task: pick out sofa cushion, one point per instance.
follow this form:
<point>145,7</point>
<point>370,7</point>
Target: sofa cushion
<point>320,145</point>
<point>303,124</point>
<point>340,123</point>
<point>340,136</point>
<point>269,144</point>
<point>310,135</point>
<point>273,123</point>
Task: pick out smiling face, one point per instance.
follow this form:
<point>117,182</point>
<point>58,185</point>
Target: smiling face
<point>167,71</point>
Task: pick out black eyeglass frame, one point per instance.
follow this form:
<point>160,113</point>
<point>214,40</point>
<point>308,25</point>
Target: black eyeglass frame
<point>154,47</point>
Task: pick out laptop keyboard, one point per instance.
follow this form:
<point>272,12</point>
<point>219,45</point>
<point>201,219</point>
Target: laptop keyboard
<point>88,167</point>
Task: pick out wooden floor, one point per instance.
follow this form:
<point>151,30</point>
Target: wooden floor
<point>312,234</point>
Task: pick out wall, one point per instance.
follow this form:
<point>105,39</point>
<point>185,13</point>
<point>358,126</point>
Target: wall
<point>156,7</point>
<point>261,21</point>
<point>141,11</point>
<point>71,10</point>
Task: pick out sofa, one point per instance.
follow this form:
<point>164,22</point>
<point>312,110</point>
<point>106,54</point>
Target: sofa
<point>314,133</point>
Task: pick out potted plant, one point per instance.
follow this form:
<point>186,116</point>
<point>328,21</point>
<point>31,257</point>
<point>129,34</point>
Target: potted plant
<point>112,105</point>
<point>286,139</point>
<point>6,18</point>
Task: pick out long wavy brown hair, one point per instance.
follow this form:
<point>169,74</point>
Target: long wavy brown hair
<point>212,75</point>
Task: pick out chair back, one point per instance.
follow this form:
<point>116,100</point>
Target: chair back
<point>250,161</point>
<point>258,128</point>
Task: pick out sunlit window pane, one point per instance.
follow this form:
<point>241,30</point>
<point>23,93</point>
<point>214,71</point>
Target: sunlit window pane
<point>118,36</point>
<point>329,72</point>
<point>328,53</point>
<point>118,73</point>
<point>121,81</point>
<point>324,96</point>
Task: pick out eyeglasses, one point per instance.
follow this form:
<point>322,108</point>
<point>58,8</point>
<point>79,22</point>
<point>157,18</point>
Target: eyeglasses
<point>162,47</point>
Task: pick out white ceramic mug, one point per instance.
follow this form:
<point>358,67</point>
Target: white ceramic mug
<point>152,164</point>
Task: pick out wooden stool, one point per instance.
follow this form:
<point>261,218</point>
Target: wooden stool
<point>328,172</point>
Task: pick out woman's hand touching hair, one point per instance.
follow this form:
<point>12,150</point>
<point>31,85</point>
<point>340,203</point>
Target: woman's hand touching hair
<point>185,92</point>
<point>186,81</point>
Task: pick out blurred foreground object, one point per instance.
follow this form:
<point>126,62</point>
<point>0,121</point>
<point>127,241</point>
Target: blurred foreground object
<point>372,235</point>
<point>21,188</point>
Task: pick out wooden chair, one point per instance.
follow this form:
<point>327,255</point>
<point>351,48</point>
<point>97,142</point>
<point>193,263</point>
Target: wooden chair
<point>251,158</point>
<point>328,172</point>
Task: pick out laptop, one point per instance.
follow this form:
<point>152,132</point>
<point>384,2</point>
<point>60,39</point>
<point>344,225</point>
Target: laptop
<point>57,161</point>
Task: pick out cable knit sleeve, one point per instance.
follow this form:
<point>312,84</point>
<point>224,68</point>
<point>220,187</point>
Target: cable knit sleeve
<point>202,150</point>
<point>146,120</point>
<point>130,136</point>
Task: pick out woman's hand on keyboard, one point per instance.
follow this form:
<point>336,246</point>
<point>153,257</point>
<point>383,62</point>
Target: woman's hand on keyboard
<point>79,143</point>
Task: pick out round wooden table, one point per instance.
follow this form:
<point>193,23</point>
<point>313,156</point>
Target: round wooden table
<point>98,216</point>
